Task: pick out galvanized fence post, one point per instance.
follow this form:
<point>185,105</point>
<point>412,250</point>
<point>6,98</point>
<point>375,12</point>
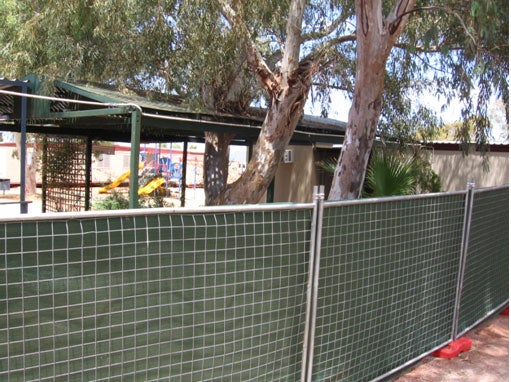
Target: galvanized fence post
<point>469,202</point>
<point>312,283</point>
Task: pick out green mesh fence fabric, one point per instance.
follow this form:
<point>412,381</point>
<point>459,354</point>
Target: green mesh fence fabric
<point>387,284</point>
<point>486,278</point>
<point>221,296</point>
<point>191,297</point>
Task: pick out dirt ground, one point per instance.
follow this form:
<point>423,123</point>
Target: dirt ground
<point>487,361</point>
<point>194,199</point>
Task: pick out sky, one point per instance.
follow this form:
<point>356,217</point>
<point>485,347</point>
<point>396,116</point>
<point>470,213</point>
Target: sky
<point>452,113</point>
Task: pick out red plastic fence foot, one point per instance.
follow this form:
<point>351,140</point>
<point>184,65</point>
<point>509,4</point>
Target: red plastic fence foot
<point>454,348</point>
<point>505,312</point>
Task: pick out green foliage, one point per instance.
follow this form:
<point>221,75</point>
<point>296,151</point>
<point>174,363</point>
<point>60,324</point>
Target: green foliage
<point>465,50</point>
<point>449,48</point>
<point>328,165</point>
<point>404,171</point>
<point>104,41</point>
<point>156,200</point>
<point>428,181</point>
<point>114,201</point>
<point>395,172</point>
<point>117,201</point>
<point>457,49</point>
<point>389,175</point>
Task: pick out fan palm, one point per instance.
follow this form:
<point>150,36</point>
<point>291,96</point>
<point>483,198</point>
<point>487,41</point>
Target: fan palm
<point>389,175</point>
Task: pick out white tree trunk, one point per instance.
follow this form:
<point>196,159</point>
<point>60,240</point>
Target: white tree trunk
<point>375,38</point>
<point>276,132</point>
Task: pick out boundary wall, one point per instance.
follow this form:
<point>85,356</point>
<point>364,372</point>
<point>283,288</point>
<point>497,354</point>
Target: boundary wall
<point>322,291</point>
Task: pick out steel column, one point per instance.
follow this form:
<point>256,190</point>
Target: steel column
<point>312,284</point>
<point>23,152</point>
<point>88,172</point>
<point>136,122</point>
<point>469,202</point>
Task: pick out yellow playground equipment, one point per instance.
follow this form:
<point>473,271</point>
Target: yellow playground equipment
<point>118,181</point>
<point>151,186</point>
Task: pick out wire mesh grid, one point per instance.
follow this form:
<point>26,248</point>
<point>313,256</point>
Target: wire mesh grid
<point>221,295</point>
<point>486,278</point>
<point>64,174</point>
<point>388,276</point>
<point>184,297</point>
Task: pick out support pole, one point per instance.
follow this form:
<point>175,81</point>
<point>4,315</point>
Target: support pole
<point>136,122</point>
<point>312,284</point>
<point>44,172</point>
<point>183,173</point>
<point>469,202</point>
<point>88,172</point>
<point>23,153</point>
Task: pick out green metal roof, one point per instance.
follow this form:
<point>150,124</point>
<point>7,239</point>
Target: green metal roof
<point>107,94</point>
<point>165,118</point>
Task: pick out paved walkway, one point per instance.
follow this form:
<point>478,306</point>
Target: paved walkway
<point>487,361</point>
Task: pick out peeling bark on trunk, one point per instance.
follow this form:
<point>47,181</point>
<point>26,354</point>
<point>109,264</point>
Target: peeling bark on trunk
<point>375,39</point>
<point>216,164</point>
<point>30,166</point>
<point>360,132</point>
<point>276,132</point>
<point>287,90</point>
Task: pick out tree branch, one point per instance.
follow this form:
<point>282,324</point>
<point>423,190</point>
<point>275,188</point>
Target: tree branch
<point>319,52</point>
<point>330,86</point>
<point>291,55</point>
<point>268,80</point>
<point>399,12</point>
<point>421,49</point>
<point>343,39</point>
<point>448,10</point>
<point>325,32</point>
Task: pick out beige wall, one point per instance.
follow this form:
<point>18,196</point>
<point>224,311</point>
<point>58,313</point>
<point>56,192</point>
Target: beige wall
<point>455,170</point>
<point>106,167</point>
<point>9,165</point>
<point>294,182</point>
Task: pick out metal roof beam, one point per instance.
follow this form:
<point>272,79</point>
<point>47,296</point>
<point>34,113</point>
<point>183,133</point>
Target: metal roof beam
<point>90,113</point>
<point>84,93</point>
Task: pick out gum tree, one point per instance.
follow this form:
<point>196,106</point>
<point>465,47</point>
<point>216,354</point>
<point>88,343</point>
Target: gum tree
<point>448,47</point>
<point>224,55</point>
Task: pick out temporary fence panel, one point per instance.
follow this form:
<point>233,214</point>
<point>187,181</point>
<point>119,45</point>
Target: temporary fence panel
<point>195,297</point>
<point>225,293</point>
<point>387,284</point>
<point>485,283</point>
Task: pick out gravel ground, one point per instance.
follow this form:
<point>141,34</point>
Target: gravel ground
<point>487,361</point>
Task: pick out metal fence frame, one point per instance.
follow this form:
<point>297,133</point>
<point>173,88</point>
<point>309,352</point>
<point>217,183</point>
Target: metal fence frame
<point>494,265</point>
<point>313,281</point>
<point>456,332</point>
